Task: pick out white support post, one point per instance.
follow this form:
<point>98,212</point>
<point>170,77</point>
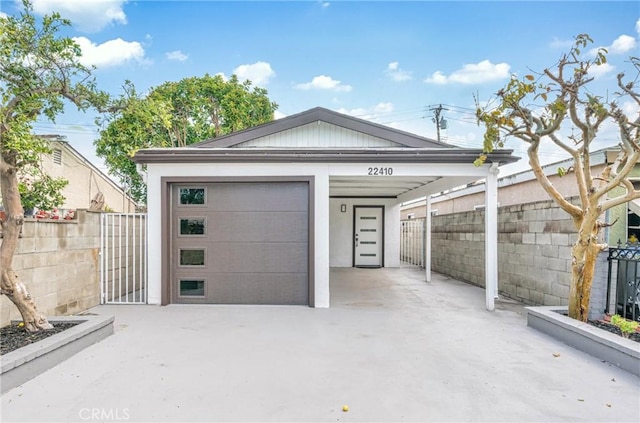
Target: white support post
<point>491,236</point>
<point>427,241</point>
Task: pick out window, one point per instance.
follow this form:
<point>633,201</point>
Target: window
<point>191,257</point>
<point>192,226</point>
<point>191,196</point>
<point>57,156</point>
<point>192,287</point>
<point>411,216</point>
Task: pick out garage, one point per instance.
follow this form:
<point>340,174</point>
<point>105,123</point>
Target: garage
<point>261,215</point>
<point>237,242</point>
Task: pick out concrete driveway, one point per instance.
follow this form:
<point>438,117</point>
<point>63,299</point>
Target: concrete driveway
<point>392,347</point>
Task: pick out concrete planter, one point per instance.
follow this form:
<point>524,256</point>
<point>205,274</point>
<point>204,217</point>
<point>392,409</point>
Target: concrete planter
<point>28,362</point>
<point>599,343</point>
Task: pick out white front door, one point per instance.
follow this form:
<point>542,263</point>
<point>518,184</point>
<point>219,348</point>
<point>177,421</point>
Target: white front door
<point>368,236</point>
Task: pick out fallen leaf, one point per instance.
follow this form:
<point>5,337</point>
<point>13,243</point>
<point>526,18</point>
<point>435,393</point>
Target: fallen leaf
<point>608,405</point>
<point>556,354</point>
<point>581,399</point>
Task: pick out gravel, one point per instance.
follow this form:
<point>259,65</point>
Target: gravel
<point>13,336</point>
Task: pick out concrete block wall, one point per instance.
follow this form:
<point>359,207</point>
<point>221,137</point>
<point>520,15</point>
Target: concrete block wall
<point>59,263</point>
<point>534,252</point>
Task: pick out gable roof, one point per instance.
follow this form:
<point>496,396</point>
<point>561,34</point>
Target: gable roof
<point>317,114</point>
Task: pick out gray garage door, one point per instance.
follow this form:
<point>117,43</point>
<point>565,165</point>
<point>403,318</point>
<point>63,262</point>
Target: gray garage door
<point>240,243</point>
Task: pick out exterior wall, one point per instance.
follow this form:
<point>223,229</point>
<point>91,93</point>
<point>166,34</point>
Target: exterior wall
<point>198,170</point>
<point>85,181</point>
<point>341,230</point>
<point>59,262</point>
<point>534,251</point>
<point>321,172</point>
<point>318,134</point>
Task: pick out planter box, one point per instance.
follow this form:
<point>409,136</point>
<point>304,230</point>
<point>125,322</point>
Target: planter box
<point>28,362</point>
<point>599,343</point>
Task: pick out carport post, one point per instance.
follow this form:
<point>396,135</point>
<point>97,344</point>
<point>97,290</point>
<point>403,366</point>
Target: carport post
<point>491,236</point>
<point>427,241</point>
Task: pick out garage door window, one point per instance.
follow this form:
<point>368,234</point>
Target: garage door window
<point>192,257</point>
<point>192,226</point>
<point>192,196</point>
<point>192,287</point>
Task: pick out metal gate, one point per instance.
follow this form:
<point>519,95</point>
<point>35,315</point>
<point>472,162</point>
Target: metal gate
<point>123,258</point>
<point>623,283</point>
<point>412,241</point>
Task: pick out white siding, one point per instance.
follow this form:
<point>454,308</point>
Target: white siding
<point>318,134</point>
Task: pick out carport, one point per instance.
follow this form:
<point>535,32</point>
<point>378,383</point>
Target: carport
<point>260,216</point>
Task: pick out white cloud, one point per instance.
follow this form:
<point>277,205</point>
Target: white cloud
<point>86,15</point>
<point>278,115</point>
<point>111,53</point>
<point>3,15</point>
<point>622,44</point>
<point>630,108</point>
<point>324,82</point>
<point>600,70</point>
<point>324,4</point>
<point>258,73</point>
<point>176,55</point>
<point>638,26</point>
<point>371,113</point>
<point>479,73</point>
<point>558,43</point>
<point>394,72</point>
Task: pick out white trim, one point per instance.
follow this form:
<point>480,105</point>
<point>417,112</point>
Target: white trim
<point>491,238</point>
<point>427,247</point>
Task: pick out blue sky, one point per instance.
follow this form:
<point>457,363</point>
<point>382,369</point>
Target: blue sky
<point>387,61</point>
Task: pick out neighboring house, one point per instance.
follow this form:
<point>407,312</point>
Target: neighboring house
<point>85,179</point>
<point>260,216</point>
<point>523,188</point>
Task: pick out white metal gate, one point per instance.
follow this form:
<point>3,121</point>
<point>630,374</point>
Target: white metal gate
<point>123,258</point>
<point>412,241</point>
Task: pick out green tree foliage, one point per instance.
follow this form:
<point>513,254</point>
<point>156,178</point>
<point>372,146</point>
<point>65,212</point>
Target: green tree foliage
<point>40,73</point>
<point>533,109</point>
<point>176,114</point>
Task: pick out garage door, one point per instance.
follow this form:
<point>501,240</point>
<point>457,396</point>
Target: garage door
<point>240,243</point>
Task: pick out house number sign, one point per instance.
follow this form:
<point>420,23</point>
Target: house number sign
<point>380,171</point>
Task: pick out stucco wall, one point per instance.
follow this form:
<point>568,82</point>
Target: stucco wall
<point>534,252</point>
<point>84,182</point>
<point>58,261</point>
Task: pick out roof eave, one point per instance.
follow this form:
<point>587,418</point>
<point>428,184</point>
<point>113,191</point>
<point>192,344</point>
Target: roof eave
<point>189,155</point>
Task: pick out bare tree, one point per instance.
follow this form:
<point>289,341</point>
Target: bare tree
<point>566,99</point>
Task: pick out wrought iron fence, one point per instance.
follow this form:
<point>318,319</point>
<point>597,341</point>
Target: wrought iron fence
<point>624,294</point>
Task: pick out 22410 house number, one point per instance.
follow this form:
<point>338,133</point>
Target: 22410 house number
<point>384,171</point>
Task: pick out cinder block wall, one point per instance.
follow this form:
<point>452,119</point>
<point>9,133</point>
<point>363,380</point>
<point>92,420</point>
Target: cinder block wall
<point>59,263</point>
<point>534,253</point>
